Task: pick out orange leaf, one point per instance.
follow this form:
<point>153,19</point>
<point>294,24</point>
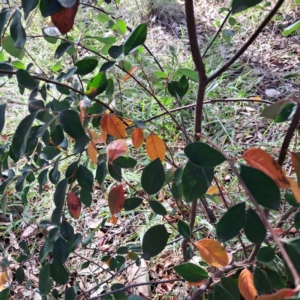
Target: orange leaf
<point>93,134</point>
<point>212,252</point>
<point>3,278</point>
<point>131,71</point>
<point>116,148</point>
<point>295,189</point>
<point>64,19</point>
<point>212,190</point>
<point>296,164</point>
<point>155,147</point>
<point>113,219</point>
<point>127,121</point>
<point>282,294</point>
<point>261,160</point>
<point>74,205</point>
<point>278,230</point>
<point>113,126</point>
<point>116,199</point>
<point>102,138</point>
<point>92,152</point>
<point>246,285</point>
<point>137,137</point>
<point>197,283</point>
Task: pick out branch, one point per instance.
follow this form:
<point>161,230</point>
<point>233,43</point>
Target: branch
<point>136,285</point>
<point>207,102</point>
<point>191,26</point>
<point>289,135</point>
<point>248,43</point>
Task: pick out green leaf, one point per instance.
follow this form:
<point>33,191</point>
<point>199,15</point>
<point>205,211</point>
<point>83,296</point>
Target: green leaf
<point>49,7</point>
<point>44,280</point>
<point>254,228</point>
<point>60,193</point>
<point>62,49</point>
<point>58,272</point>
<point>107,65</point>
<point>4,15</point>
<point>262,187</point>
<point>132,203</point>
<point>19,141</point>
<point>261,282</point>
<point>24,247</point>
<point>2,116</point>
<point>115,51</point>
<point>60,250</point>
<point>28,6</point>
<point>184,229</point>
<point>230,285</point>
<point>103,18</point>
<point>272,111</point>
<point>220,293</point>
<point>158,208</point>
<point>86,66</point>
<point>118,25</point>
<point>265,255</point>
<point>56,215</point>
<point>67,3</point>
<point>290,198</point>
<point>290,29</point>
<point>4,203</point>
<point>105,40</point>
<point>17,31</point>
<point>8,46</point>
<point>240,5</point>
<point>191,272</point>
<point>115,172</point>
<point>125,162</point>
<point>154,241</point>
<point>275,279</point>
<point>191,74</point>
<point>203,155</point>
<point>122,250</point>
<point>50,152</point>
<point>54,173</point>
<point>231,222</point>
<point>85,178</point>
<point>88,239</point>
<point>67,230</point>
<point>86,197</point>
<point>101,172</point>
<point>70,122</point>
<point>26,80</point>
<point>297,220</point>
<point>6,67</point>
<point>136,38</point>
<point>75,242</point>
<point>195,181</point>
<point>20,275</point>
<point>286,112</point>
<point>153,177</point>
<point>96,85</point>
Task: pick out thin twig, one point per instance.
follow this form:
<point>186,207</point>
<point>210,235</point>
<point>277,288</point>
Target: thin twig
<point>217,33</point>
<point>136,285</point>
<point>248,43</point>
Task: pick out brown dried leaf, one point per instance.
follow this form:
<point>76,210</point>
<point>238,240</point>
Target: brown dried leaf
<point>74,205</point>
<point>116,199</point>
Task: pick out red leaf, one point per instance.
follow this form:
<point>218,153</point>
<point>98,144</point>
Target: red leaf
<point>64,19</point>
<point>74,205</point>
<point>116,148</point>
<point>116,199</point>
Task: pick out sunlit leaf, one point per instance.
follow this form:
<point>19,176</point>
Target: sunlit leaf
<point>116,199</point>
<point>259,159</point>
<point>212,252</point>
<point>272,111</point>
<point>136,38</point>
<point>137,136</point>
<point>113,126</point>
<point>246,285</point>
<point>212,190</point>
<point>155,147</point>
<point>116,148</point>
<point>296,164</point>
<point>74,205</point>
